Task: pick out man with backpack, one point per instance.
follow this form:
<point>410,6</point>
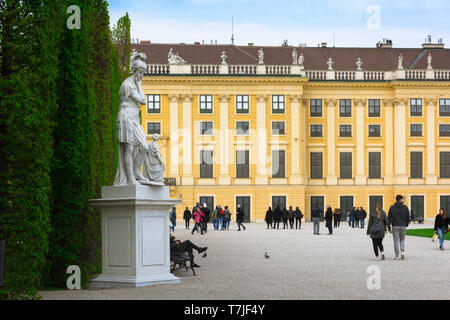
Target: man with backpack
<point>399,218</point>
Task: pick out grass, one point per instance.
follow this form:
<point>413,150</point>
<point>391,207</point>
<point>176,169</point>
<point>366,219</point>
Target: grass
<point>426,233</point>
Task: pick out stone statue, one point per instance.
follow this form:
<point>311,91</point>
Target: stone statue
<point>400,62</point>
<point>153,165</point>
<point>174,58</point>
<point>301,60</point>
<point>330,63</point>
<point>429,61</point>
<point>359,63</point>
<point>261,56</point>
<point>133,55</point>
<point>294,56</point>
<point>130,134</point>
<point>224,57</point>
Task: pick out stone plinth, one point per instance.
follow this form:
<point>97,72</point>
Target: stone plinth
<point>135,236</point>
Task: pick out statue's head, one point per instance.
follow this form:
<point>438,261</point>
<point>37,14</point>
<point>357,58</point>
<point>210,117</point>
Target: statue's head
<point>155,137</point>
<point>138,66</point>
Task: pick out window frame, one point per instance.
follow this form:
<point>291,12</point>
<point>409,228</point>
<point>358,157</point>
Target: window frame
<point>344,114</point>
<point>415,125</point>
<point>246,164</point>
<point>446,105</point>
<point>377,105</point>
<point>315,114</point>
<point>202,133</point>
<point>242,103</point>
<point>315,125</point>
<point>153,123</point>
<point>350,132</point>
<point>209,166</point>
<point>206,103</point>
<point>414,166</point>
<point>244,133</point>
<point>415,105</point>
<point>345,168</point>
<point>284,128</point>
<point>446,131</point>
<point>379,130</point>
<point>278,103</point>
<point>314,167</point>
<point>374,168</point>
<point>153,110</point>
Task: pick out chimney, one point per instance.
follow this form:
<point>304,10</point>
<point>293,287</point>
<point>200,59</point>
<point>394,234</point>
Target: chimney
<point>430,45</point>
<point>324,44</point>
<point>196,42</point>
<point>146,42</point>
<point>250,44</point>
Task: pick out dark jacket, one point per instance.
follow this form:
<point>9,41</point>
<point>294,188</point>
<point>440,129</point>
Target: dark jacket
<point>277,214</point>
<point>298,214</point>
<point>207,213</point>
<point>187,215</point>
<point>399,215</point>
<point>284,214</point>
<point>240,214</point>
<point>291,214</point>
<point>441,223</point>
<point>269,216</point>
<point>363,214</point>
<point>328,217</point>
<point>377,228</point>
<point>358,214</point>
<point>316,212</point>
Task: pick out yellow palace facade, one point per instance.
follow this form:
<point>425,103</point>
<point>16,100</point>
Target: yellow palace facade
<point>341,126</point>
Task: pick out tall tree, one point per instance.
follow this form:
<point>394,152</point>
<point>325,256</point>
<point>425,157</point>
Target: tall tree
<point>122,41</point>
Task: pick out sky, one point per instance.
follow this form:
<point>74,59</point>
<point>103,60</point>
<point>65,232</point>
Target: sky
<point>344,23</point>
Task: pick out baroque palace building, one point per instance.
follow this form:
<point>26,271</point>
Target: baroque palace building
<point>301,126</point>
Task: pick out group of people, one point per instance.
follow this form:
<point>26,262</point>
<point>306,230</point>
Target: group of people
<point>273,218</point>
<point>202,215</point>
<point>355,218</point>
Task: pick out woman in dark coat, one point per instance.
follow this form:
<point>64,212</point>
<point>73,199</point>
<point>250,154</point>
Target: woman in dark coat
<point>329,220</point>
<point>285,216</point>
<point>441,223</point>
<point>378,222</point>
<point>269,218</point>
<point>337,217</point>
<point>277,218</point>
<point>298,218</point>
<point>187,216</point>
<point>291,217</point>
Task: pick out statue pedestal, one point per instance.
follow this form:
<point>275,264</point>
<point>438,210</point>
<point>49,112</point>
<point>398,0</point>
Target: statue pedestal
<point>135,236</point>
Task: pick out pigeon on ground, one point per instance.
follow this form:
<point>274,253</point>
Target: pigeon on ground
<point>266,255</point>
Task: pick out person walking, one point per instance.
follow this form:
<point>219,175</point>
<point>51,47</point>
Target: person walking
<point>291,217</point>
<point>206,217</point>
<point>316,214</point>
<point>173,218</point>
<point>399,219</point>
<point>376,229</point>
<point>214,218</point>
<point>285,216</point>
<point>277,218</point>
<point>298,218</point>
<point>197,218</point>
<point>226,218</point>
<point>337,217</point>
<point>187,216</point>
<point>441,223</point>
<point>363,217</point>
<point>329,220</point>
<point>269,217</point>
<point>240,217</point>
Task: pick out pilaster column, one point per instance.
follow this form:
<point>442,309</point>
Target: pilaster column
<point>431,177</point>
<point>361,178</point>
<point>400,172</point>
<point>303,137</point>
<point>224,176</point>
<point>174,135</point>
<point>187,178</point>
<point>388,156</point>
<point>261,131</point>
<point>331,141</point>
<point>295,176</point>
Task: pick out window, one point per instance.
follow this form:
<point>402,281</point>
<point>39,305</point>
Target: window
<point>278,163</point>
<point>374,108</point>
<point>346,165</point>
<point>278,201</point>
<point>445,203</point>
<point>153,103</point>
<point>242,164</point>
<point>444,158</point>
<point>315,108</point>
<point>345,204</point>
<point>208,200</point>
<point>374,165</point>
<point>242,127</point>
<point>316,130</point>
<point>416,164</point>
<point>345,130</point>
<point>153,127</point>
<point>444,107</point>
<point>374,130</point>
<point>417,206</point>
<point>316,165</point>
<point>278,128</point>
<point>444,130</point>
<point>206,128</point>
<point>345,108</point>
<point>206,163</point>
<point>278,104</point>
<point>416,130</point>
<point>415,107</point>
<point>206,103</point>
<point>375,199</point>
<point>242,104</point>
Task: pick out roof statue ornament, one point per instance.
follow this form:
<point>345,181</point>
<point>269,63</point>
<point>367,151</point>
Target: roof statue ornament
<point>261,56</point>
<point>400,62</point>
<point>359,63</point>
<point>429,62</point>
<point>224,57</point>
<point>301,60</point>
<point>174,58</point>
<point>330,63</point>
<point>294,56</point>
<point>131,137</point>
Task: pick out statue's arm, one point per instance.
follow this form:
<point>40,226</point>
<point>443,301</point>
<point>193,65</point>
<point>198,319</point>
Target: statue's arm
<point>138,95</point>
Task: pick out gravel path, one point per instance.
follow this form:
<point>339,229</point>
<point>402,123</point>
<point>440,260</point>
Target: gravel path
<point>301,266</point>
